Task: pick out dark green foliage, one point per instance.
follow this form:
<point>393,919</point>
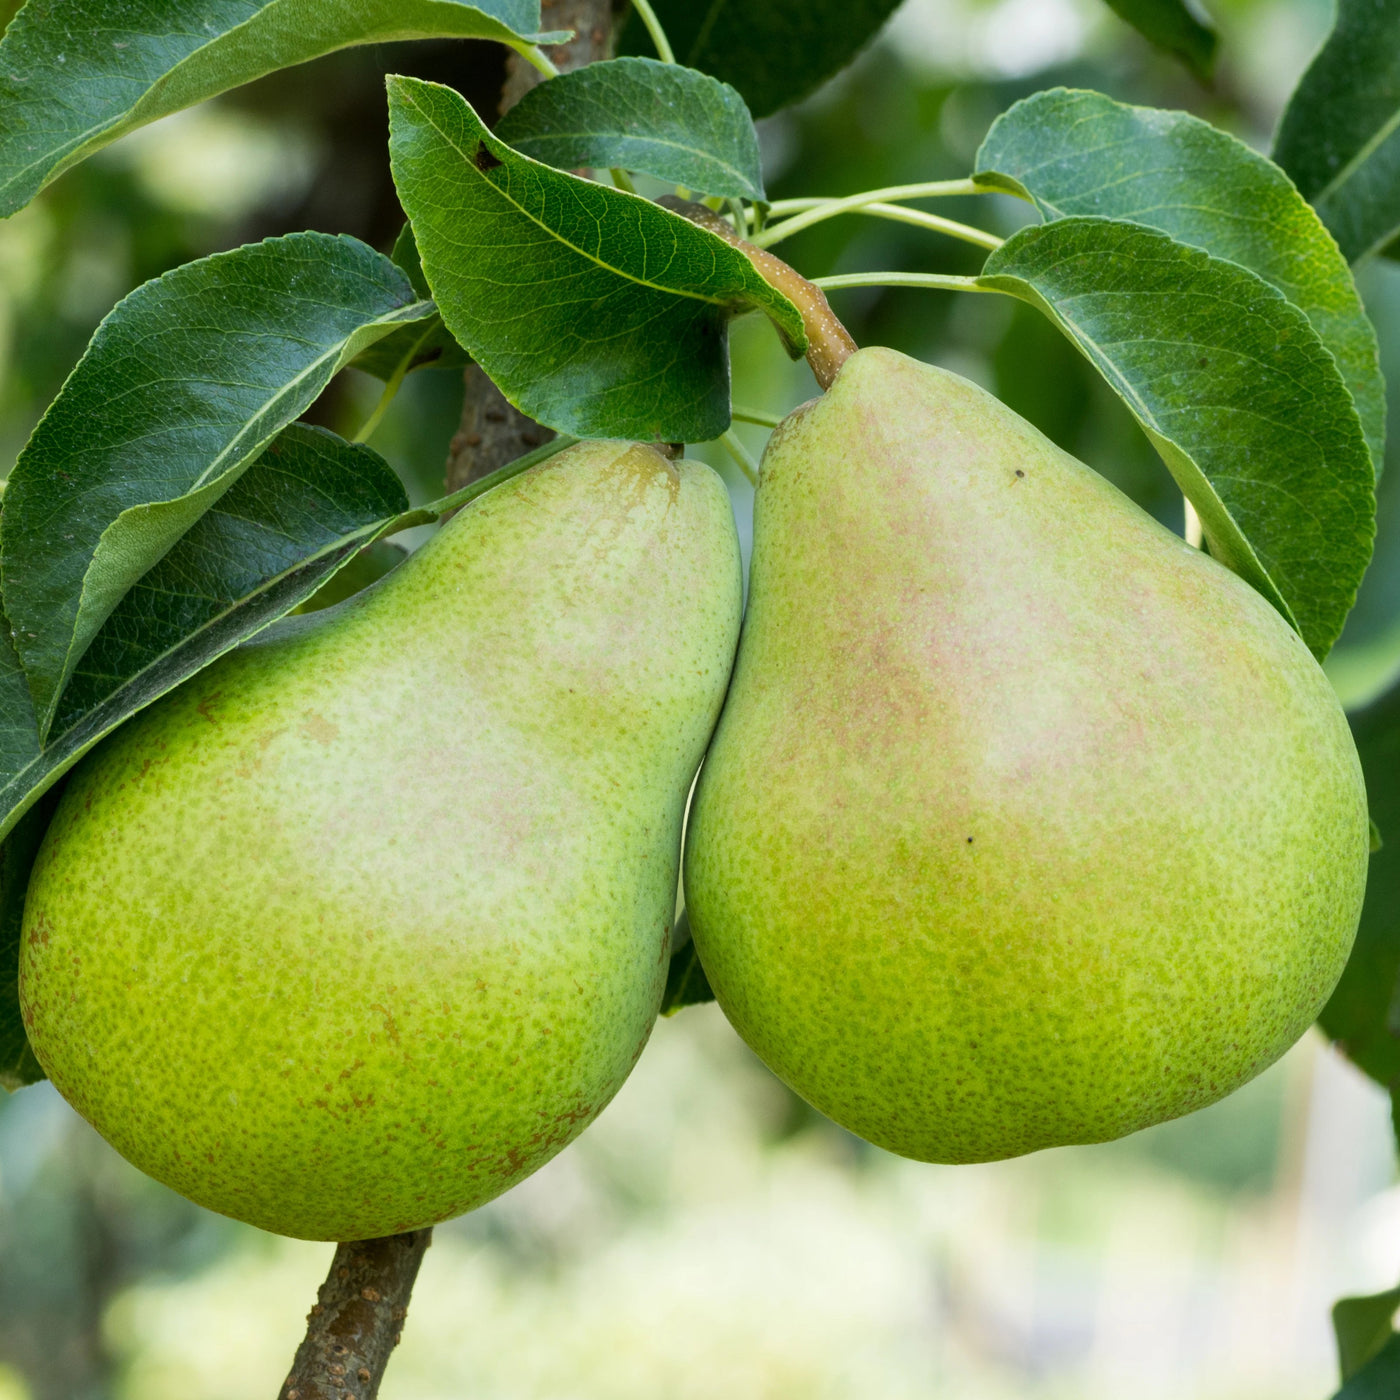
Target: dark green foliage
<point>639,114</point>
<point>596,312</point>
<point>1340,136</point>
<point>774,52</point>
<point>183,384</point>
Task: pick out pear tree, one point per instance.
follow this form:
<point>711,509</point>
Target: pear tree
<point>1021,820</point>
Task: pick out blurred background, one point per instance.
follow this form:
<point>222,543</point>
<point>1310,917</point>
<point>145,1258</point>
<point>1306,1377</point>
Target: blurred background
<point>711,1236</point>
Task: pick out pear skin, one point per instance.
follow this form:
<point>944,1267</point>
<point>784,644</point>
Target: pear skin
<point>1025,823</point>
<point>364,923</point>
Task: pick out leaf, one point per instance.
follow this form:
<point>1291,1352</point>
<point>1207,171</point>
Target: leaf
<point>303,509</point>
<point>1235,390</point>
<point>77,74</point>
<point>1363,1014</point>
<point>1083,153</point>
<point>183,384</point>
<point>1379,1379</point>
<point>686,983</point>
<point>639,114</point>
<point>1340,134</point>
<point>1170,25</point>
<point>1363,1326</point>
<point>776,52</point>
<point>595,311</point>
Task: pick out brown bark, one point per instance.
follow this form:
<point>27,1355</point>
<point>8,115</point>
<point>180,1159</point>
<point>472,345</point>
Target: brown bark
<point>357,1319</point>
<point>492,432</point>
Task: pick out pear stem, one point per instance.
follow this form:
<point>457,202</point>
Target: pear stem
<point>647,15</point>
<point>760,416</point>
<point>936,223</point>
<point>937,281</point>
<point>930,189</point>
<point>829,343</point>
<point>741,455</point>
<point>357,1319</point>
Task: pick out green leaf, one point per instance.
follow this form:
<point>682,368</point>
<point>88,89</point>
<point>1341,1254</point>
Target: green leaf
<point>1235,390</point>
<point>776,52</point>
<point>1363,1327</point>
<point>1363,1014</point>
<point>1170,25</point>
<point>639,114</point>
<point>77,74</point>
<point>595,311</point>
<point>299,513</point>
<point>1340,134</point>
<point>1083,153</point>
<point>183,384</point>
<point>1379,1379</point>
<point>686,983</point>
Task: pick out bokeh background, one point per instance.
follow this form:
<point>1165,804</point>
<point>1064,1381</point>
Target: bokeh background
<point>711,1237</point>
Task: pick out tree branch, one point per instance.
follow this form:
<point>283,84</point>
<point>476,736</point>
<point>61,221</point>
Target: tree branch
<point>361,1307</point>
<point>357,1319</point>
<point>493,432</point>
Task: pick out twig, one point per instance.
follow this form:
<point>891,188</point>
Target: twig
<point>357,1319</point>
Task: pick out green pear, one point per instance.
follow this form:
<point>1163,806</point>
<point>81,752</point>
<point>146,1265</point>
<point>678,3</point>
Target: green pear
<point>1025,823</point>
<point>361,925</point>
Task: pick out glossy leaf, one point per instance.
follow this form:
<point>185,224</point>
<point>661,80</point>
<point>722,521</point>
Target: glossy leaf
<point>1363,1327</point>
<point>1363,1014</point>
<point>301,511</point>
<point>639,114</point>
<point>596,312</point>
<point>776,52</point>
<point>1340,134</point>
<point>1235,390</point>
<point>77,74</point>
<point>1083,153</point>
<point>1379,1379</point>
<point>183,384</point>
<point>1170,25</point>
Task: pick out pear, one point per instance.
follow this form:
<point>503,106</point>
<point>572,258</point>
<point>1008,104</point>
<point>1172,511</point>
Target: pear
<point>361,925</point>
<point>1025,823</point>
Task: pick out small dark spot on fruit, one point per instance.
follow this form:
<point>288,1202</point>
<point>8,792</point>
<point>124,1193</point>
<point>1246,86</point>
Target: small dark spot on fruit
<point>969,840</point>
<point>484,159</point>
<point>1019,472</point>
